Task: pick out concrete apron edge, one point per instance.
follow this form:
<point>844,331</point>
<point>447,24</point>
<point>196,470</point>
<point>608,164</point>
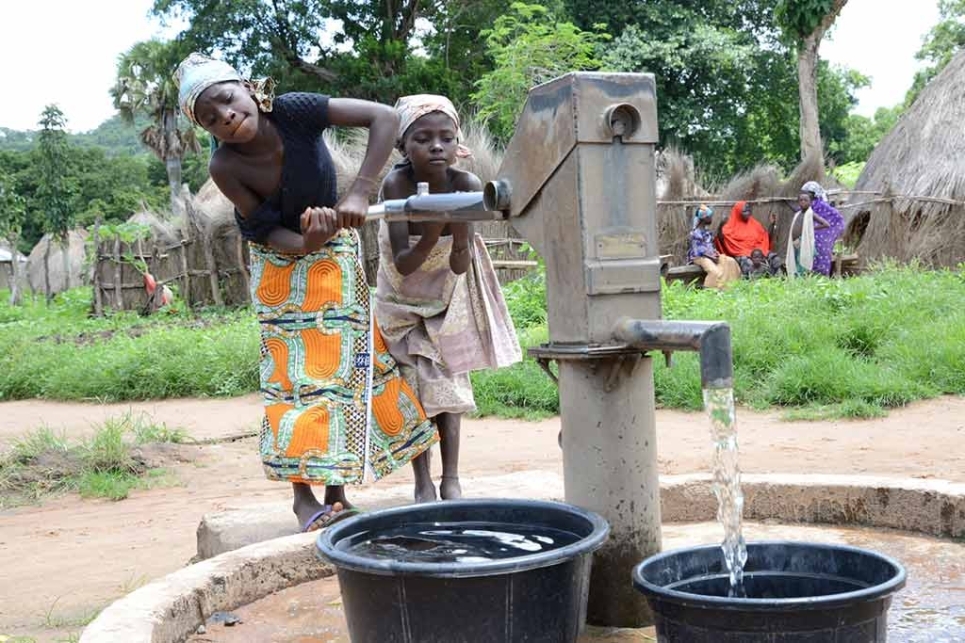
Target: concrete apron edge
<point>171,608</point>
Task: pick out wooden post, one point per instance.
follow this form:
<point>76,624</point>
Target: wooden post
<point>98,295</point>
<point>118,291</point>
<point>185,277</point>
<point>185,243</point>
<point>242,265</point>
<point>212,270</point>
<point>209,260</point>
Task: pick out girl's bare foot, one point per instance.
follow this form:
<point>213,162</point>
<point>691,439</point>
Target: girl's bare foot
<point>425,489</point>
<point>425,493</point>
<point>449,488</point>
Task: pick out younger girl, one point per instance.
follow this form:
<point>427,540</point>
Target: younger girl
<point>336,409</point>
<point>438,301</point>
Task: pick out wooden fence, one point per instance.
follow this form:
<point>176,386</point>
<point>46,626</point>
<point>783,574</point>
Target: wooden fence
<point>208,266</point>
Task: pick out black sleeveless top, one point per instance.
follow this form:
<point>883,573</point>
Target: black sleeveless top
<point>307,174</point>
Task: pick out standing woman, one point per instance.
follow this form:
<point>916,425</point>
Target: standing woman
<point>829,226</point>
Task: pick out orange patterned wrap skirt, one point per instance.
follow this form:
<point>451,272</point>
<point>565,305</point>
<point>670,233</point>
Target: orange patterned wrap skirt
<point>337,410</point>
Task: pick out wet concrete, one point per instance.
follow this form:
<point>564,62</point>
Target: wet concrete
<point>931,608</point>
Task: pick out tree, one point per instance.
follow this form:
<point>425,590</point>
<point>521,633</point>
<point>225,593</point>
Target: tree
<point>12,211</point>
<point>943,41</point>
<point>804,23</point>
<point>529,46</point>
<point>145,85</point>
<point>863,134</point>
<point>256,34</point>
<point>374,49</point>
<point>54,192</point>
<point>724,79</point>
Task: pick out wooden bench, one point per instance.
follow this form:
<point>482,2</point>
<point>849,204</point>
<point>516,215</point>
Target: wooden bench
<point>687,273</point>
<point>841,266</point>
<point>845,265</point>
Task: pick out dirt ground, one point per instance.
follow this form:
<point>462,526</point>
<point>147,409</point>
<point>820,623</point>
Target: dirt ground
<point>63,561</point>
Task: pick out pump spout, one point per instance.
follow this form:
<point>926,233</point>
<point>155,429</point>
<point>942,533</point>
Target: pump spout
<point>710,339</point>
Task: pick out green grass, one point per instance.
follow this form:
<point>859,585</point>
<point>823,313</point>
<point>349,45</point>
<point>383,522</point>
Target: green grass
<point>815,348</point>
<point>102,466</point>
<point>849,347</point>
<point>112,485</point>
<point>60,353</point>
<point>521,391</point>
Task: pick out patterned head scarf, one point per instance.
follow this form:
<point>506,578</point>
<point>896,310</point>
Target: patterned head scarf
<point>815,188</point>
<point>412,108</point>
<point>703,213</point>
<point>198,72</point>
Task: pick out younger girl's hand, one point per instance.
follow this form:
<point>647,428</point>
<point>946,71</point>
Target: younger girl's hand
<point>352,211</point>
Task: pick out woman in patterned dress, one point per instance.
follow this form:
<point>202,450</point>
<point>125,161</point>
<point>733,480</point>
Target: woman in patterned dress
<point>337,411</point>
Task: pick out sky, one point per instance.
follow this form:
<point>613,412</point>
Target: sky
<point>879,38</point>
<point>49,54</point>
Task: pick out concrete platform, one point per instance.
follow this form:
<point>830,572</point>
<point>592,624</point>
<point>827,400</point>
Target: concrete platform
<point>170,609</point>
<point>930,609</point>
<point>932,507</point>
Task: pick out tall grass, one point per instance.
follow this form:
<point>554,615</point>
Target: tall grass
<point>855,346</point>
<point>61,353</point>
<point>828,348</point>
<point>818,347</point>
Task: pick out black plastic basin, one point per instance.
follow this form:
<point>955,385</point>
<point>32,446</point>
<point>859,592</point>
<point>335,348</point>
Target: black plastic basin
<point>530,596</point>
<point>795,593</point>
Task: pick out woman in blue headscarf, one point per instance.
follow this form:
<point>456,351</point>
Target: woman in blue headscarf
<point>721,269</point>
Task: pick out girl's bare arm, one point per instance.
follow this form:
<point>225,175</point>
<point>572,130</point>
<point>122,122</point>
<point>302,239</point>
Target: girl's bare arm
<point>382,123</point>
<point>461,253</point>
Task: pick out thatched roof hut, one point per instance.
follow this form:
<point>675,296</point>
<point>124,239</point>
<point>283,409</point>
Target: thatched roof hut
<point>921,157</point>
<point>77,268</point>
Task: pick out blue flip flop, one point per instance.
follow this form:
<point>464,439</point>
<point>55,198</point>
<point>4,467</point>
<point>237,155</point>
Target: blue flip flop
<point>326,510</point>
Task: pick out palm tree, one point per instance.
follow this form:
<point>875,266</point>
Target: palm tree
<point>145,85</point>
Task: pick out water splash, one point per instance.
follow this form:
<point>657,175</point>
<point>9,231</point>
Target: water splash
<point>719,404</point>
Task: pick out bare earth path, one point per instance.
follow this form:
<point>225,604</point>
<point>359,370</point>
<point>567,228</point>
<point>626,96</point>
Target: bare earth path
<point>64,560</point>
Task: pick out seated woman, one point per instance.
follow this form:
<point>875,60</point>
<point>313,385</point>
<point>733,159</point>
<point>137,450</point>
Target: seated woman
<point>720,268</point>
<point>741,234</point>
<point>816,226</point>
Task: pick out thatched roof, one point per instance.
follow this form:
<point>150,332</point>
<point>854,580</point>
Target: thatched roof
<point>921,156</point>
<point>162,231</point>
